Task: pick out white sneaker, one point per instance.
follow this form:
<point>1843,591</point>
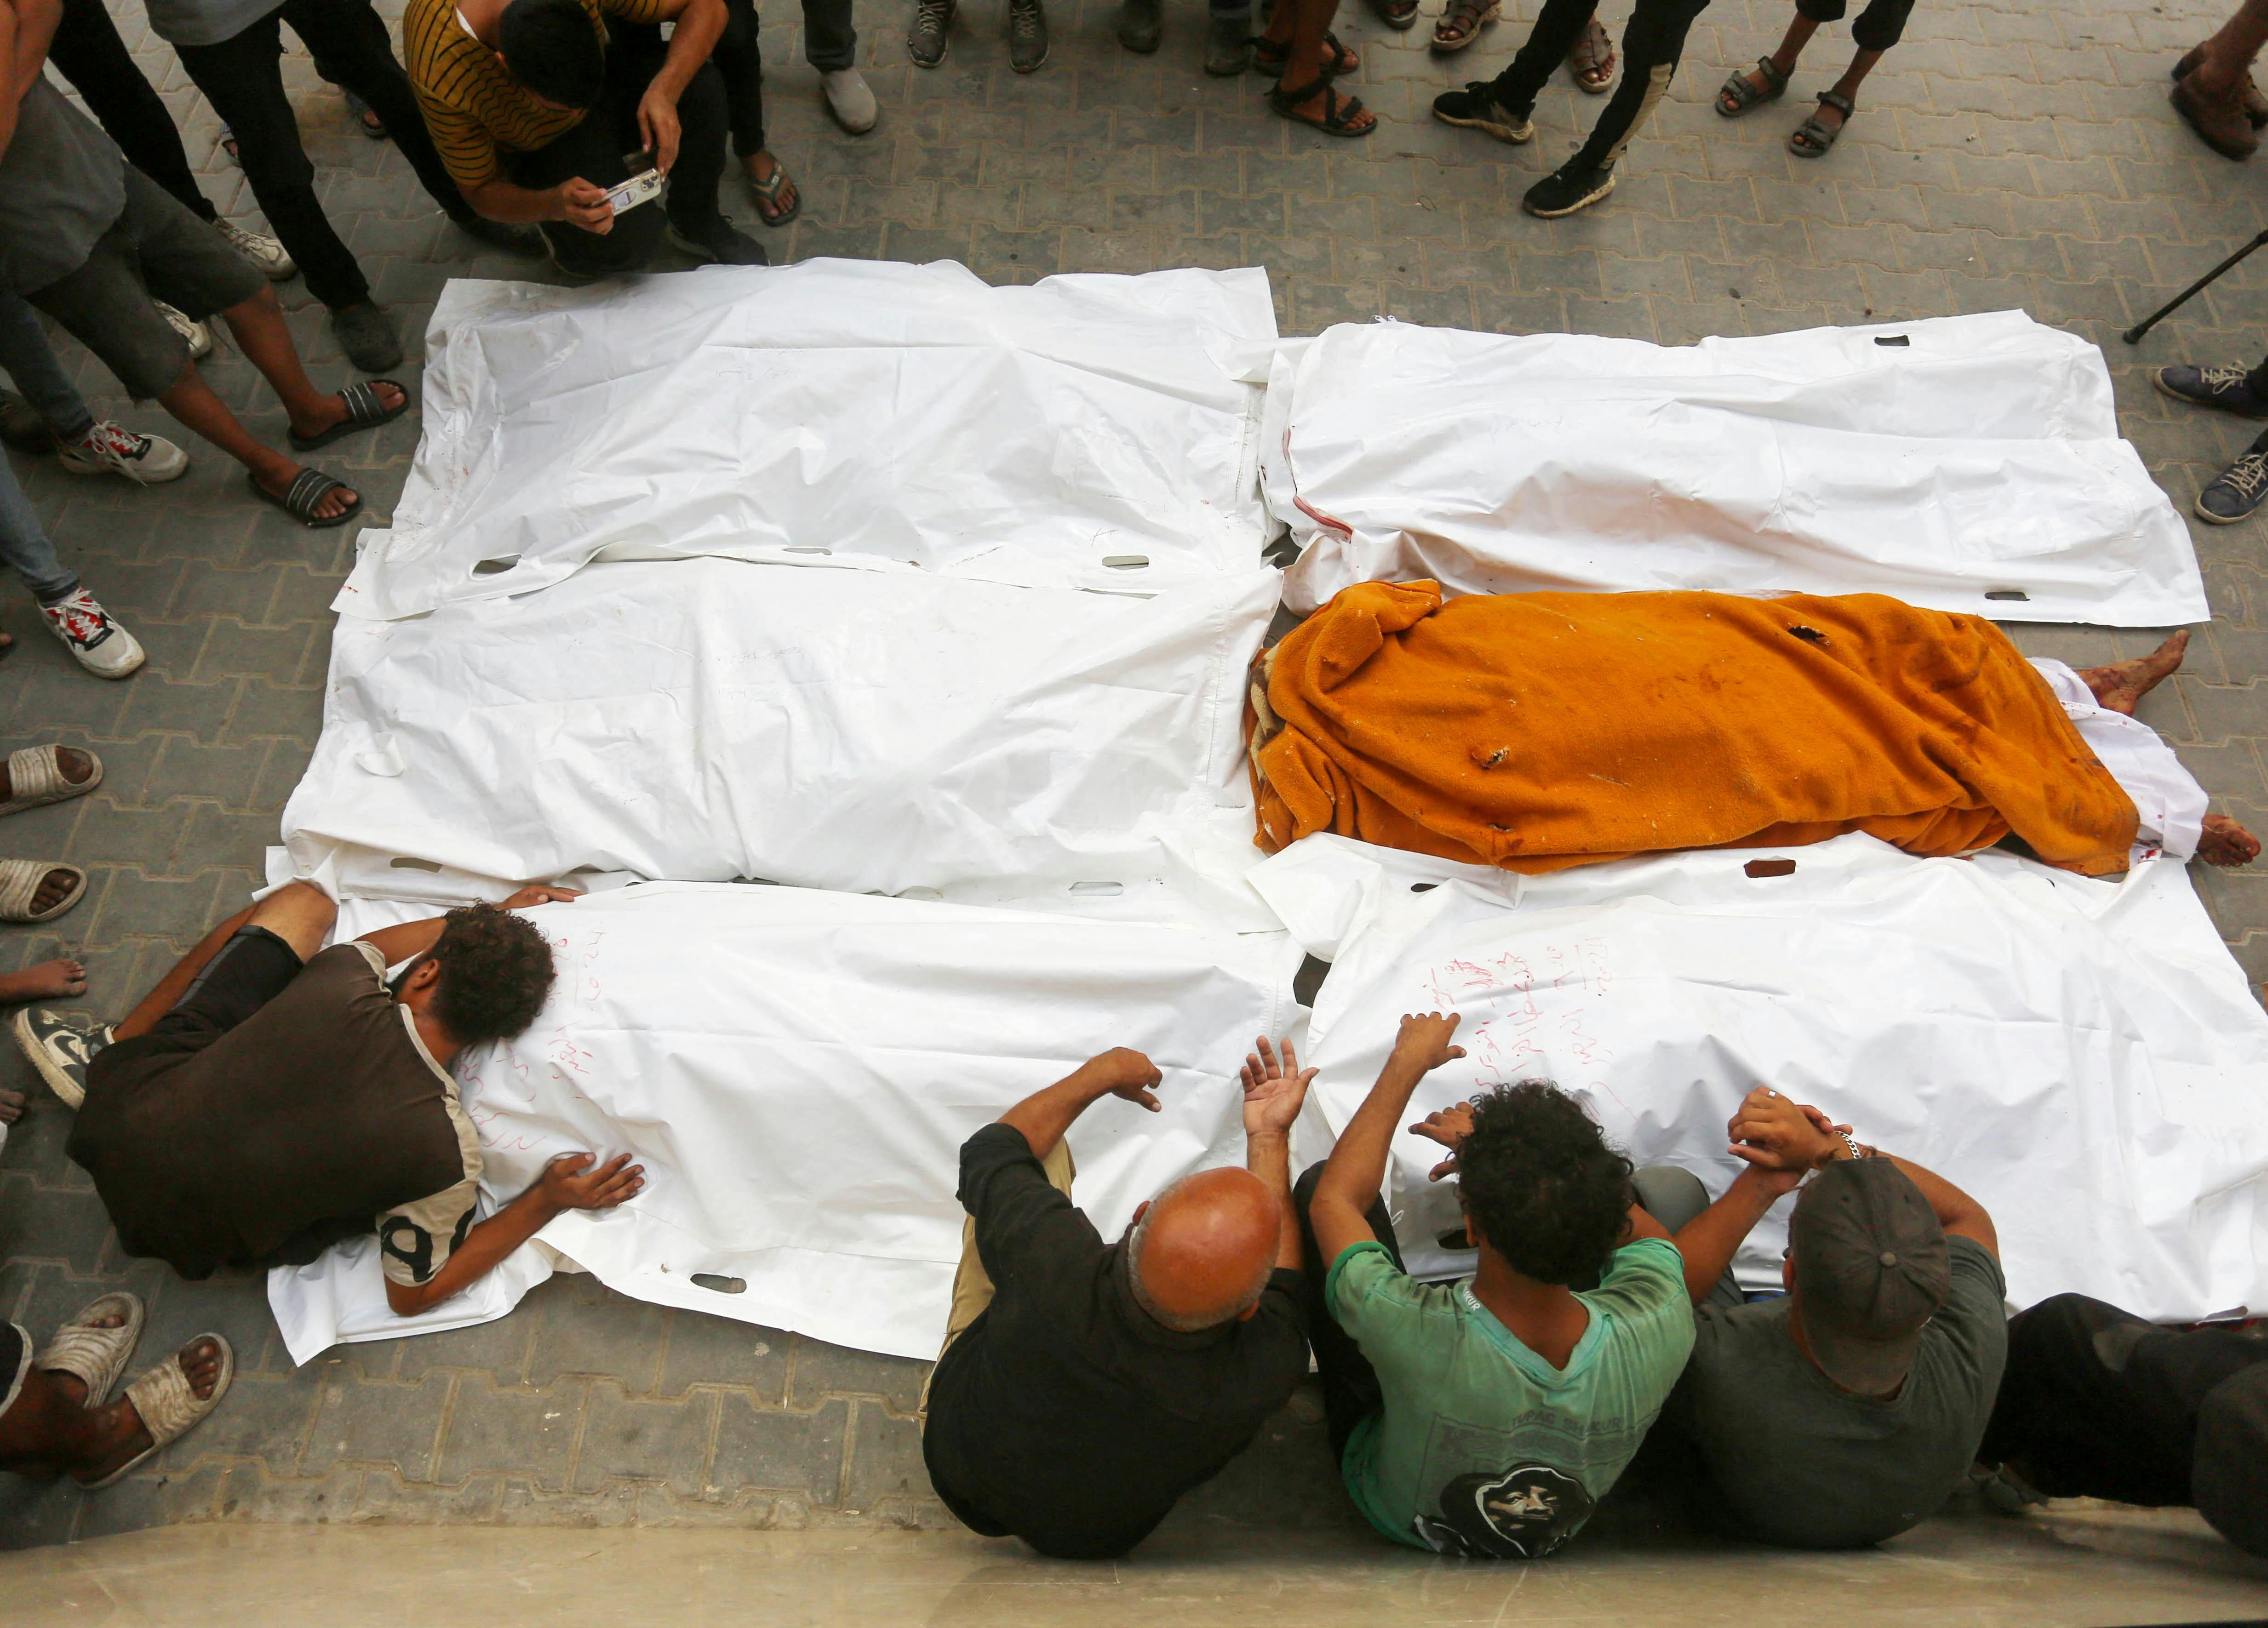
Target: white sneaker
<point>266,256</point>
<point>851,99</point>
<point>197,334</point>
<point>113,449</point>
<point>91,635</point>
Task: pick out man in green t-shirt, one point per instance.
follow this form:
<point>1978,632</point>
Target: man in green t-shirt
<point>1487,1418</point>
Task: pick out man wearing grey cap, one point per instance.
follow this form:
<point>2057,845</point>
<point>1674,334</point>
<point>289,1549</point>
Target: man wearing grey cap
<point>1846,1410</point>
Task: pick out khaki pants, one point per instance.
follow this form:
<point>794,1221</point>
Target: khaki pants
<point>972,1287</point>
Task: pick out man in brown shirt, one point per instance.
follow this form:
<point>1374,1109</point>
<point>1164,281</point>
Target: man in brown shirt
<point>269,1098</point>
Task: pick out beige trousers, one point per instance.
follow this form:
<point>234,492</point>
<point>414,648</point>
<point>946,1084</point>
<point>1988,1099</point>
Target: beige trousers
<point>972,1287</point>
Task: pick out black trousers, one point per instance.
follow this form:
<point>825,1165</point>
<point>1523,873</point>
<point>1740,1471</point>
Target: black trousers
<point>1651,43</point>
<point>243,79</point>
<point>1879,27</point>
<point>741,66</point>
<point>1351,1389</point>
<point>88,52</point>
<point>594,149</point>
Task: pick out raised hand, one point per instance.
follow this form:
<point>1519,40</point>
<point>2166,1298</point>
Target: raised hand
<point>1274,1089</point>
<point>1773,1133</point>
<point>1122,1072</point>
<point>1423,1041</point>
<point>1450,1126</point>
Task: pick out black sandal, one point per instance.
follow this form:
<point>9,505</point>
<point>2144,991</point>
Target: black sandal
<point>1811,139</point>
<point>304,497</point>
<point>1737,95</point>
<point>1268,57</point>
<point>365,411</point>
<point>1339,111</point>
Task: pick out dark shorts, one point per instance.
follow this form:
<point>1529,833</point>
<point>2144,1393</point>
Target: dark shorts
<point>249,970</point>
<point>1880,26</point>
<point>154,250</point>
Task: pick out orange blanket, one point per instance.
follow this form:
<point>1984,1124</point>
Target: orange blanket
<point>1539,731</point>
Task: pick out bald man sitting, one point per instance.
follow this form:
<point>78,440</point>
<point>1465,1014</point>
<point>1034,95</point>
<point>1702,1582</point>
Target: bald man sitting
<point>1084,1387</point>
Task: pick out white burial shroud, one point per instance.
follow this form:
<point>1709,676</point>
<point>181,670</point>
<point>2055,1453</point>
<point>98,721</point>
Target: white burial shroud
<point>1088,430</point>
<point>2083,1057</point>
<point>876,729</point>
<point>797,1071</point>
<point>1963,463</point>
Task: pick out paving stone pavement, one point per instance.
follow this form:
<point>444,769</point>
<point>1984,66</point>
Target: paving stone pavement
<point>2004,156</point>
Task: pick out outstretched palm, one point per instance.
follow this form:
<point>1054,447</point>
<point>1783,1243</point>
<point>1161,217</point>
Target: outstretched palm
<point>1274,1089</point>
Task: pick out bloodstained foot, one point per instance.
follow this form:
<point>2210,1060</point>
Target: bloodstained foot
<point>123,1437</point>
<point>2227,843</point>
<point>2118,686</point>
<point>49,979</point>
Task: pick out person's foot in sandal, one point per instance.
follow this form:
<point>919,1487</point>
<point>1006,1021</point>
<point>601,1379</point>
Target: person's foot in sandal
<point>308,496</point>
<point>1399,15</point>
<point>1591,62</point>
<point>777,201</point>
<point>363,405</point>
<point>2248,89</point>
<point>1333,59</point>
<point>1812,139</point>
<point>160,1407</point>
<point>35,775</point>
<point>1317,106</point>
<point>38,890</point>
<point>1767,82</point>
<point>1462,22</point>
<point>85,1356</point>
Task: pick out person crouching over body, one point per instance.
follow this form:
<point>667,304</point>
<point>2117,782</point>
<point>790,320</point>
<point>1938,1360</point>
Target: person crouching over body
<point>1084,1387</point>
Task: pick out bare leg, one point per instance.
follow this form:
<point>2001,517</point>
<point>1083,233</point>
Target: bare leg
<point>192,402</point>
<point>258,325</point>
<point>1862,63</point>
<point>1800,30</point>
<point>299,915</point>
<point>2119,686</point>
<point>2225,842</point>
<point>2228,55</point>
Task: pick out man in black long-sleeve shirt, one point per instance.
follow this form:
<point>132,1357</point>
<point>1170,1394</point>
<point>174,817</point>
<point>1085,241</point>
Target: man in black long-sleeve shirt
<point>1084,1387</point>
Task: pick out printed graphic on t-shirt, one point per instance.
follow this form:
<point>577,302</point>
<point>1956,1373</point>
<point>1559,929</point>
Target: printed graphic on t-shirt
<point>1521,1513</point>
<point>416,1241</point>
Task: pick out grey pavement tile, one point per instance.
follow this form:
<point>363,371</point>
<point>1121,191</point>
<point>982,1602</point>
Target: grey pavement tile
<point>636,1438</point>
<point>581,1325</point>
<point>374,1422</point>
<point>821,1370</point>
<point>703,1350</point>
<point>885,1473</point>
<point>773,1448</point>
<point>528,1433</point>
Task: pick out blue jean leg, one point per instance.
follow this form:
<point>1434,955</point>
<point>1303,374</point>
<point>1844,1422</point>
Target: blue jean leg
<point>31,362</point>
<point>24,544</point>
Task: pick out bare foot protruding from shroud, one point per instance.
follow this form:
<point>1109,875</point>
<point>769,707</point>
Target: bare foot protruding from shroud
<point>2118,686</point>
<point>2227,843</point>
<point>49,980</point>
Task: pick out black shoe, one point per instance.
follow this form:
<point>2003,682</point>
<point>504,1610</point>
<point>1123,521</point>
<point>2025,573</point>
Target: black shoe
<point>1572,185</point>
<point>495,234</point>
<point>1228,49</point>
<point>2236,491</point>
<point>723,242</point>
<point>1141,24</point>
<point>1476,108</point>
<point>366,335</point>
<point>1027,35</point>
<point>925,40</point>
<point>2226,388</point>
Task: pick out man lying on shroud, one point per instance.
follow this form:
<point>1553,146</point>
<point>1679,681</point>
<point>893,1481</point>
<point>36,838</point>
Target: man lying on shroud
<point>1535,732</point>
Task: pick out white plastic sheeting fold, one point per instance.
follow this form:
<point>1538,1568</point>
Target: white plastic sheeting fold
<point>1086,429</point>
<point>2083,1057</point>
<point>797,1071</point>
<point>861,729</point>
<point>1962,463</point>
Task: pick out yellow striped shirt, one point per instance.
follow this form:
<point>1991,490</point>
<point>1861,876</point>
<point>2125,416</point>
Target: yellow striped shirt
<point>471,106</point>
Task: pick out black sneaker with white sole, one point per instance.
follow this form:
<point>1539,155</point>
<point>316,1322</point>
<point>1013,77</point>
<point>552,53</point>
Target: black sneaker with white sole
<point>2236,491</point>
<point>1027,35</point>
<point>1573,186</point>
<point>722,242</point>
<point>927,39</point>
<point>1476,108</point>
<point>60,1049</point>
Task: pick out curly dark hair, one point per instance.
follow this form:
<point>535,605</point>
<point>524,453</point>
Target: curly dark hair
<point>1548,1192</point>
<point>553,48</point>
<point>496,973</point>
